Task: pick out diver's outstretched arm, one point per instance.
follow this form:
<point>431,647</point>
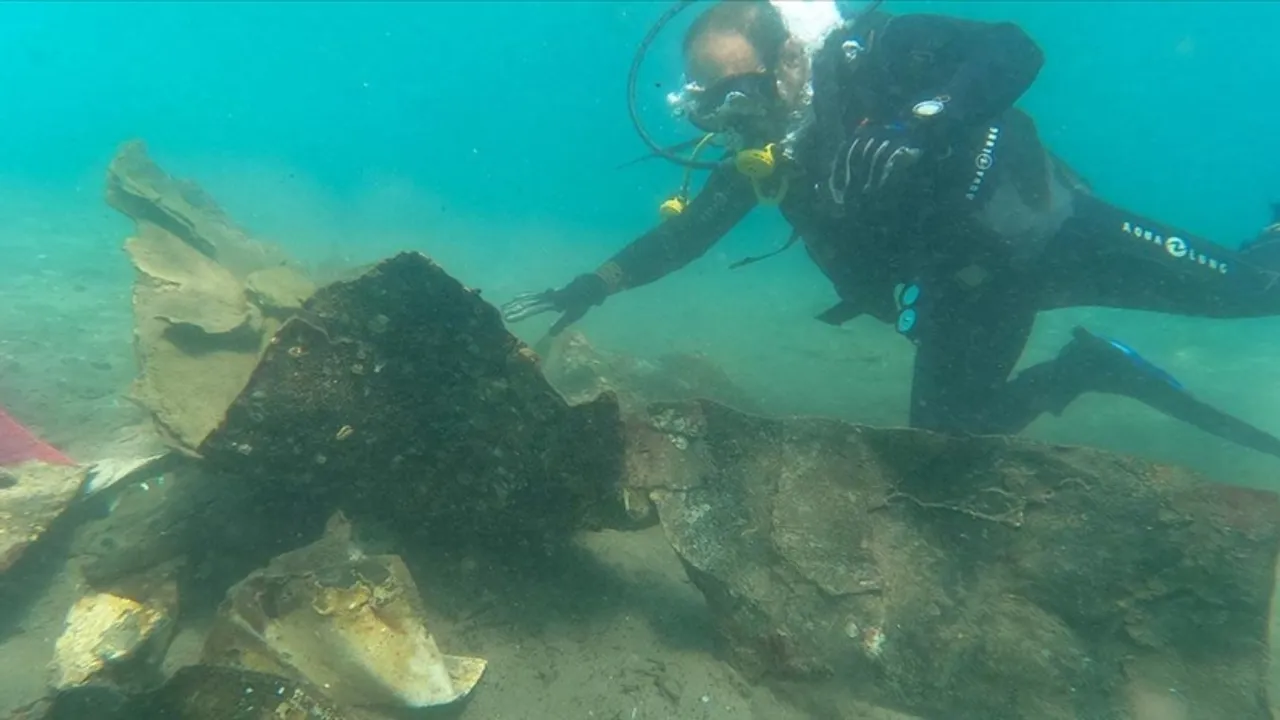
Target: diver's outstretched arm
<point>726,198</point>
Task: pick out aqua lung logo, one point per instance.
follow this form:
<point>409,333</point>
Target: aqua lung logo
<point>1175,246</point>
<point>983,162</point>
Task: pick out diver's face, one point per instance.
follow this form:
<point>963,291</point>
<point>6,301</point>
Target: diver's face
<point>737,93</point>
<point>716,56</point>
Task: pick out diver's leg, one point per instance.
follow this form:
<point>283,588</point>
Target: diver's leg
<point>1090,363</point>
<point>966,350</point>
<point>966,346</point>
<point>1106,256</point>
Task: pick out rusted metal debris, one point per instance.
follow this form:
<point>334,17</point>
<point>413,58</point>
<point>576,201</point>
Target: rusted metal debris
<point>981,577</point>
<point>400,394</point>
<point>206,299</point>
<point>142,190</point>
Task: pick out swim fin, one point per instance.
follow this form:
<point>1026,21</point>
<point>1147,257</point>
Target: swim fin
<point>1094,363</point>
<point>1263,250</point>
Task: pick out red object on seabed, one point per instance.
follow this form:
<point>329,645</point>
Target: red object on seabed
<point>19,445</point>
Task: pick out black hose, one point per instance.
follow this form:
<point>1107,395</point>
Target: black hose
<point>682,145</point>
<point>641,51</point>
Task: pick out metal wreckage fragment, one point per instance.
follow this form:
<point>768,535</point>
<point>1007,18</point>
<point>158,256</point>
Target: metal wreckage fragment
<point>205,299</point>
<point>400,394</point>
<point>967,578</point>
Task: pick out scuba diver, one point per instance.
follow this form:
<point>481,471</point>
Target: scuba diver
<point>893,148</point>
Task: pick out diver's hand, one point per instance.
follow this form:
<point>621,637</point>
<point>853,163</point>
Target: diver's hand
<point>573,300</point>
<point>871,160</point>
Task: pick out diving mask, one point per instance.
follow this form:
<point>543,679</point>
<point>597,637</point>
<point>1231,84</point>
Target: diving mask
<point>733,103</point>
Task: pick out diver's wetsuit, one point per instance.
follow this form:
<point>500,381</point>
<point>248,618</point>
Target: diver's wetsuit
<point>989,230</point>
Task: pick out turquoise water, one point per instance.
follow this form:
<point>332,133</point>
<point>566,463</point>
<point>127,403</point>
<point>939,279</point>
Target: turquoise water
<point>487,135</point>
<point>488,139</point>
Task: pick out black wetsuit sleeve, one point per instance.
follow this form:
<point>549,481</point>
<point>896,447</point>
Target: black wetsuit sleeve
<point>724,200</point>
<point>979,68</point>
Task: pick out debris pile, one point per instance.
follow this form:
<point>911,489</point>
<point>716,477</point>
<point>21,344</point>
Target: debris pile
<point>982,578</point>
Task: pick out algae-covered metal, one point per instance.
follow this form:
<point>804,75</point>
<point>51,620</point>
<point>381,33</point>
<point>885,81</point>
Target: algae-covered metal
<point>401,394</point>
<point>979,578</point>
